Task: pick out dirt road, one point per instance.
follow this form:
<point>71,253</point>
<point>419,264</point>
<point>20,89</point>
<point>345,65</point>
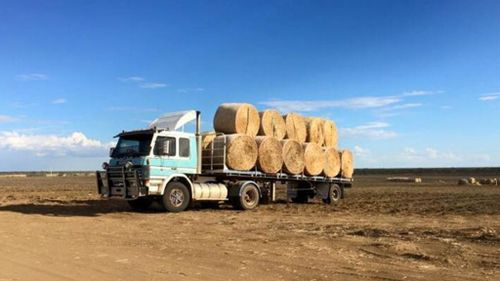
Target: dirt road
<point>58,229</point>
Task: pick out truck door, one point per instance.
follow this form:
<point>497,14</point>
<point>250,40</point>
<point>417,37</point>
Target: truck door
<point>165,148</point>
<point>177,154</point>
<point>187,156</point>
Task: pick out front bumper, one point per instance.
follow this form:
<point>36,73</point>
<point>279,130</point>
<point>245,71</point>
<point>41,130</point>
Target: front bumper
<point>121,182</point>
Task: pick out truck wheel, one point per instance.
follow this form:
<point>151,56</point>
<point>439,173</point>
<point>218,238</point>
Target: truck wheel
<point>176,197</point>
<point>249,198</point>
<point>334,194</point>
<point>141,203</point>
<point>302,198</point>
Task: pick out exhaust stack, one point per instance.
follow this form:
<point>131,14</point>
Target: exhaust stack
<point>198,140</point>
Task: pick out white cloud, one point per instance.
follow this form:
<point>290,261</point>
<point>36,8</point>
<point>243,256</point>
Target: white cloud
<point>141,82</point>
<point>19,104</point>
<point>396,109</point>
<point>420,93</point>
<point>190,90</point>
<point>406,106</point>
<point>481,157</point>
<point>59,101</point>
<point>361,152</point>
<point>446,107</point>
<point>7,119</point>
<point>76,144</point>
<point>352,103</point>
<point>489,97</point>
<point>32,77</point>
<point>429,154</point>
<point>153,85</point>
<point>132,79</point>
<point>372,130</point>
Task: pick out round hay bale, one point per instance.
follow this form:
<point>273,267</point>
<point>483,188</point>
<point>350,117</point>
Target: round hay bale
<point>295,127</point>
<point>293,157</point>
<point>463,182</point>
<point>485,181</point>
<point>347,164</point>
<point>330,133</point>
<point>332,163</point>
<point>270,159</point>
<point>241,152</point>
<point>314,127</point>
<point>472,180</point>
<point>272,124</point>
<point>314,159</point>
<point>207,138</point>
<point>237,118</point>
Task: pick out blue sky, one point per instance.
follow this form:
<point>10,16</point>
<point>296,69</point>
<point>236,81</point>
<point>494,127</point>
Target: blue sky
<point>409,83</point>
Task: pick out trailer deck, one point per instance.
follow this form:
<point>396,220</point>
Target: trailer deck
<point>283,177</point>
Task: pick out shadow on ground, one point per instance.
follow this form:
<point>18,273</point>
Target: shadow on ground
<point>90,208</point>
<point>69,208</point>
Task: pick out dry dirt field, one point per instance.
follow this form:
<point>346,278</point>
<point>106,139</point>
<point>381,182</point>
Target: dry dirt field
<point>59,229</point>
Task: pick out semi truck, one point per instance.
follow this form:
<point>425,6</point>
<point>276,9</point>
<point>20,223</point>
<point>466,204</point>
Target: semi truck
<point>164,163</point>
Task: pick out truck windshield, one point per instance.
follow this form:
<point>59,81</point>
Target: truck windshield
<point>134,145</point>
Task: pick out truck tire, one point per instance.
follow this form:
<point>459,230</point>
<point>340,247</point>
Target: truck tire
<point>141,203</point>
<point>176,197</point>
<point>334,194</point>
<point>249,198</point>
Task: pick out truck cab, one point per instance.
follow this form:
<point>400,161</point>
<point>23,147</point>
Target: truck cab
<point>145,161</point>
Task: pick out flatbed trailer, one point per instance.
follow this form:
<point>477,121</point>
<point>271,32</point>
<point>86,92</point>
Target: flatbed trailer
<point>299,187</point>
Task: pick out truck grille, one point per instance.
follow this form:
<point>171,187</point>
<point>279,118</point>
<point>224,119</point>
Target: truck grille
<point>120,182</point>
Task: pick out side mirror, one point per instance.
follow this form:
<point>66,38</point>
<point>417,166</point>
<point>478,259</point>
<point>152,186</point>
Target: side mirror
<point>111,150</point>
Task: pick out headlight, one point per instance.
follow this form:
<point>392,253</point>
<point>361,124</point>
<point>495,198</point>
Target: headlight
<point>105,166</point>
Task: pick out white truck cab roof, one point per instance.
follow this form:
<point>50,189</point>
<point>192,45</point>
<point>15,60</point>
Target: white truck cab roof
<point>173,120</point>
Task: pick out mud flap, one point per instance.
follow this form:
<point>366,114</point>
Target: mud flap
<point>323,190</point>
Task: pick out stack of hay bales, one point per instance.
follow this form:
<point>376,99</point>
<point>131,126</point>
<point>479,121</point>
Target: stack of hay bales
<point>474,181</point>
<point>489,181</point>
<point>273,143</point>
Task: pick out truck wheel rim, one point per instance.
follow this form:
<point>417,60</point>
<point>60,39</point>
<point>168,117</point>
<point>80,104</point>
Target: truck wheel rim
<point>176,197</point>
<point>335,194</point>
<point>250,197</point>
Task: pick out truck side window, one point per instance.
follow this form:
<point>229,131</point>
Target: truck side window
<point>165,146</point>
<point>183,147</point>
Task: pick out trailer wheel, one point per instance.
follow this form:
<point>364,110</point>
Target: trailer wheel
<point>176,197</point>
<point>141,203</point>
<point>334,194</point>
<point>249,198</point>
